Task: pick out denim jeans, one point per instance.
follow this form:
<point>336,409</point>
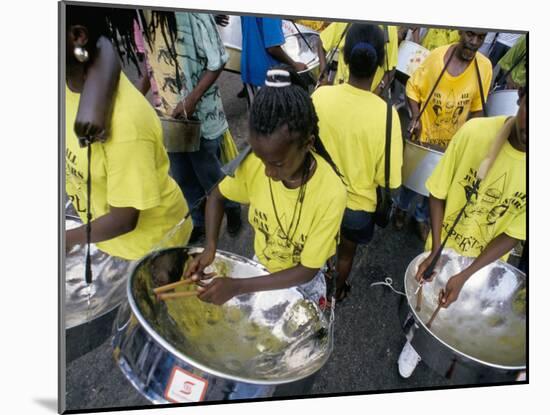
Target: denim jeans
<point>196,173</point>
<point>421,211</point>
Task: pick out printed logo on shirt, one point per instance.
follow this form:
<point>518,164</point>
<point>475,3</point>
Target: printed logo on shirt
<point>277,246</point>
<point>450,111</point>
<point>478,224</point>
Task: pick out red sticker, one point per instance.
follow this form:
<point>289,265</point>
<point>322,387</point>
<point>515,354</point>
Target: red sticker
<point>185,387</point>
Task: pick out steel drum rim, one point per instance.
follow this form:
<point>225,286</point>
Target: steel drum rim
<point>424,148</point>
<point>418,320</point>
<point>95,316</point>
<point>179,355</point>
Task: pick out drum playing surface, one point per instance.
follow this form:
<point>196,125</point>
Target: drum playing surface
<point>487,321</point>
<point>271,336</point>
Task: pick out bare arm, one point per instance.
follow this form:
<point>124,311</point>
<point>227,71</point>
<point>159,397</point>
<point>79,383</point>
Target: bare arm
<point>278,53</point>
<point>415,126</point>
<point>475,114</point>
<point>437,209</point>
<point>118,221</point>
<point>213,219</point>
<point>221,290</point>
<point>96,99</point>
<point>493,251</point>
<point>322,63</point>
<point>207,80</point>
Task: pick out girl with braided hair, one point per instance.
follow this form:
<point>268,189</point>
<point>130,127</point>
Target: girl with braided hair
<point>352,123</point>
<point>296,198</point>
<point>133,202</point>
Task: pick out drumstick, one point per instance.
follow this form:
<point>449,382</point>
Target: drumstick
<point>434,315</point>
<point>173,285</point>
<point>419,299</point>
<point>181,294</point>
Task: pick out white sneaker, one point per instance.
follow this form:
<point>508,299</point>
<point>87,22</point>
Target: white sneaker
<point>408,360</point>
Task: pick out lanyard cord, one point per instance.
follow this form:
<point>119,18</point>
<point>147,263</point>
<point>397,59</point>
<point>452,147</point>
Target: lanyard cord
<point>89,217</point>
<point>299,201</point>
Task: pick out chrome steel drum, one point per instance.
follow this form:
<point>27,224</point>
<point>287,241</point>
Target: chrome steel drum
<point>185,350</point>
<point>294,45</point>
<point>483,331</point>
<point>89,310</point>
<point>503,102</point>
<point>418,164</point>
<point>232,39</point>
<point>410,56</point>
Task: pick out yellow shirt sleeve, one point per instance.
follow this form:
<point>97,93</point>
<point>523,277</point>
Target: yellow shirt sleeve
<point>323,238</point>
<point>236,188</point>
<point>132,179</point>
<point>331,35</point>
<point>517,229</point>
<point>417,85</point>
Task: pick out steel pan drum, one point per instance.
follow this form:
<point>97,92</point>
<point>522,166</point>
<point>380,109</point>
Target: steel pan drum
<point>484,329</point>
<point>232,39</point>
<point>418,164</point>
<point>90,309</point>
<point>251,343</point>
<point>410,56</point>
<point>504,102</point>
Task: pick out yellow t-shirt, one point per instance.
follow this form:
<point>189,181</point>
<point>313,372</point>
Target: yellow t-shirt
<point>129,170</point>
<point>352,126</point>
<point>500,206</point>
<point>440,37</point>
<point>454,98</point>
<point>316,235</point>
<point>330,38</point>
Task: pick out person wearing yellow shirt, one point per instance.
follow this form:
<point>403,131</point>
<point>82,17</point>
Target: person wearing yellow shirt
<point>456,98</point>
<point>494,220</point>
<point>352,126</point>
<point>134,203</point>
<point>296,199</point>
<point>333,38</point>
<point>435,38</point>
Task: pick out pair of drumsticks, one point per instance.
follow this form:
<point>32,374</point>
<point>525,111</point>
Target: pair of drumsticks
<point>162,294</point>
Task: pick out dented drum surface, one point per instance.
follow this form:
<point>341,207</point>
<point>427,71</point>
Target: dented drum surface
<point>242,349</point>
<point>481,336</point>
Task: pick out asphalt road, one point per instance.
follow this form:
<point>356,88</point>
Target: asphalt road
<point>368,335</point>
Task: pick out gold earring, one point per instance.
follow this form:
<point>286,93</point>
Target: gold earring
<point>81,54</point>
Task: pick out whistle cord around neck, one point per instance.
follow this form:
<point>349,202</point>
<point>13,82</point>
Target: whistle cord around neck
<point>89,217</point>
<point>299,201</point>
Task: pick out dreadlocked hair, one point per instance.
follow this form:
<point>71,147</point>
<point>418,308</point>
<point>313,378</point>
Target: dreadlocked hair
<point>115,24</point>
<point>290,105</point>
<point>163,22</point>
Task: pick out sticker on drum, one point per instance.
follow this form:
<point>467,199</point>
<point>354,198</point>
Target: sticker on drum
<point>410,57</point>
<point>185,387</point>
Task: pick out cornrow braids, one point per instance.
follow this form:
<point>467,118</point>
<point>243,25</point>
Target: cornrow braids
<point>291,105</point>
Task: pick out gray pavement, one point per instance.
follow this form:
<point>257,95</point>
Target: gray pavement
<point>368,336</point>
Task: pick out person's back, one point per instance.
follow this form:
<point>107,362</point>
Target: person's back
<point>352,126</point>
<point>129,169</point>
<point>259,34</point>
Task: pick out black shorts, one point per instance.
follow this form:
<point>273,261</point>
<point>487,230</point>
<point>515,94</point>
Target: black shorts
<point>357,226</point>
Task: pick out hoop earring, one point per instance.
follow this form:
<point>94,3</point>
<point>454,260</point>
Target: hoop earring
<point>81,54</point>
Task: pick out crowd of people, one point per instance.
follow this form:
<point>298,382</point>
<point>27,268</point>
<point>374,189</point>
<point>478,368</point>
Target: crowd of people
<point>320,167</point>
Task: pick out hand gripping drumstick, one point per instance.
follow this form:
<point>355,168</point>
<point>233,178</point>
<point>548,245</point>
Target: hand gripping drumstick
<point>484,168</point>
